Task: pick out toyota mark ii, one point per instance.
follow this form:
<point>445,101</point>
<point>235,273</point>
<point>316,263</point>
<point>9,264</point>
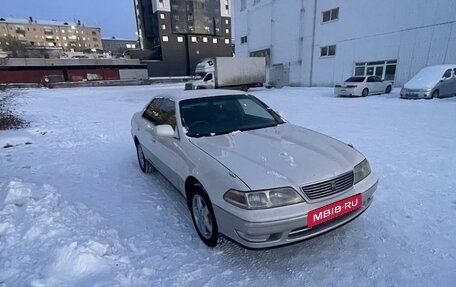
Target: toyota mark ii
<point>248,174</point>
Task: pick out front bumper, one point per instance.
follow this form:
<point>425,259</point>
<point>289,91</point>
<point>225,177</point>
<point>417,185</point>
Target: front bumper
<point>416,94</point>
<point>271,233</point>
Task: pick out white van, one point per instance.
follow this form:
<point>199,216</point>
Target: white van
<point>431,82</point>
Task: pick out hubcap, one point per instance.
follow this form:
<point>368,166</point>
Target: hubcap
<point>141,156</point>
<point>202,216</point>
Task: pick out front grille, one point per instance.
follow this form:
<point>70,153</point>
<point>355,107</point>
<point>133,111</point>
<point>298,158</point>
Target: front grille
<point>329,187</point>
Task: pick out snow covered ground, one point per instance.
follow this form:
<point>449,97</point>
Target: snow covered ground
<point>75,209</point>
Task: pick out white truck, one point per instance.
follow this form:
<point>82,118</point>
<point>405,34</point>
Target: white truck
<point>229,73</point>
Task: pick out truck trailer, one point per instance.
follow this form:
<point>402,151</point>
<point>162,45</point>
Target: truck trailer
<point>229,73</point>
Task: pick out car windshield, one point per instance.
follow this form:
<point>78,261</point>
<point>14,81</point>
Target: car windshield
<point>355,79</point>
<point>210,116</point>
<point>199,76</point>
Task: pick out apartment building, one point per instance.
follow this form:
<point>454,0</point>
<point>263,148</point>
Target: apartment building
<point>116,47</point>
<point>180,33</point>
<point>50,33</point>
<point>320,43</point>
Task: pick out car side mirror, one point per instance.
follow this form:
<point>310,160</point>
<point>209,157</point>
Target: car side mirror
<point>164,131</point>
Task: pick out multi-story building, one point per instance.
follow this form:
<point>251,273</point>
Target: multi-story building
<point>310,42</point>
<point>116,47</point>
<point>68,35</point>
<point>180,33</point>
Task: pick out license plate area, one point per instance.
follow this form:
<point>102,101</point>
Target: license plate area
<point>333,210</point>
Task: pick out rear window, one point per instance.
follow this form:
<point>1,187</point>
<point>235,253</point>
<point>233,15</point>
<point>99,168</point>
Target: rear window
<point>355,79</point>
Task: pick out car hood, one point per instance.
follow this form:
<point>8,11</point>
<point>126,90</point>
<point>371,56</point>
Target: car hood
<point>425,79</point>
<point>285,155</point>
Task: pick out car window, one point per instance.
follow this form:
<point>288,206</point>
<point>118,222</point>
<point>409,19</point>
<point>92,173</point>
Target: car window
<point>253,109</point>
<point>377,79</point>
<point>355,79</point>
<point>454,72</point>
<point>217,115</point>
<point>208,77</point>
<point>152,112</point>
<point>371,79</point>
<point>168,113</point>
<point>447,73</point>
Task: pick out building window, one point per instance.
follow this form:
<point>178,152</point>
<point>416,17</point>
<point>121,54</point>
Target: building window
<point>194,39</point>
<point>227,21</point>
<point>205,39</point>
<point>165,38</point>
<point>330,15</point>
<point>243,5</point>
<point>227,41</point>
<point>162,16</point>
<point>328,51</point>
<point>243,39</point>
<point>227,31</point>
<point>214,41</point>
<point>180,39</point>
<point>95,39</point>
<point>94,33</point>
<point>383,69</point>
<point>163,27</point>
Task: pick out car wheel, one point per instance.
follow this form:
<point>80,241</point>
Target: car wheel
<point>435,94</point>
<point>365,92</point>
<point>203,216</point>
<point>144,164</point>
<point>388,89</point>
<point>244,88</point>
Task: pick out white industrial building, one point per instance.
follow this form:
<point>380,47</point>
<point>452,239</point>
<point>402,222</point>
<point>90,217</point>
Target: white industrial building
<point>319,43</point>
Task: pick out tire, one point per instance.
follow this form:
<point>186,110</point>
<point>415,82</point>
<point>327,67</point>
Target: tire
<point>388,89</point>
<point>365,92</point>
<point>435,94</point>
<point>244,88</point>
<point>144,164</point>
<point>203,216</point>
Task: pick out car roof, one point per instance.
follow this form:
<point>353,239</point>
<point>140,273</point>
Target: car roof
<point>179,95</point>
<point>441,67</point>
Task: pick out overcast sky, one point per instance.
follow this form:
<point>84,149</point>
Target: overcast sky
<point>114,17</point>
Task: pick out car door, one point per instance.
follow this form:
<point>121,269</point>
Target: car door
<point>372,85</point>
<point>446,83</point>
<point>146,134</point>
<point>452,91</point>
<point>380,84</point>
<point>209,81</point>
<point>168,148</point>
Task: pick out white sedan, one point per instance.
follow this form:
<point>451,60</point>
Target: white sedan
<point>363,86</point>
<point>245,172</point>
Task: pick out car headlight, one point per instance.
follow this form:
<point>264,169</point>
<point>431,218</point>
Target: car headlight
<point>263,199</point>
<point>361,171</point>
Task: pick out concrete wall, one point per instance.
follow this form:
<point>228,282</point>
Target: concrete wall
<point>39,62</point>
<point>133,74</point>
<point>416,33</point>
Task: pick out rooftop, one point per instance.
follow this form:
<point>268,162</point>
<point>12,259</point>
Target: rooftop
<point>42,22</point>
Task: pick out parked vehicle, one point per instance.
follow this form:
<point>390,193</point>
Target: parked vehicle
<point>229,72</point>
<point>431,82</point>
<point>248,174</point>
<point>363,86</point>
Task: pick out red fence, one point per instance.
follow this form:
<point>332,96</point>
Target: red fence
<point>36,75</point>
